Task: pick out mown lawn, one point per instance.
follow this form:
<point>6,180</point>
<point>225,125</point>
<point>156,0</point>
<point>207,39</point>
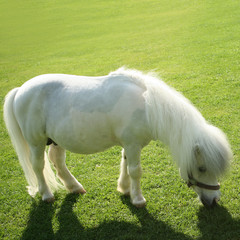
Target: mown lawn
<point>193,45</point>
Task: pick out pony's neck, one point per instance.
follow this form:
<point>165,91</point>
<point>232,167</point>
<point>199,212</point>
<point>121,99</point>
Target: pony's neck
<point>181,128</point>
<point>181,135</point>
<point>173,119</point>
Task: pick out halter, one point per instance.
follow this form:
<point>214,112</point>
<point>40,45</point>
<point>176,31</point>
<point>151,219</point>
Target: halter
<point>192,182</point>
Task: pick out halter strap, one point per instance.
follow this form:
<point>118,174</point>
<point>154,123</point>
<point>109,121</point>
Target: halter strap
<point>192,182</point>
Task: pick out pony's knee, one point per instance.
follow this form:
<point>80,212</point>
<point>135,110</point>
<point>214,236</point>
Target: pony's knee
<point>135,172</point>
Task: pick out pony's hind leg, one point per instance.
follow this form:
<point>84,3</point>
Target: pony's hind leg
<point>57,155</point>
<point>37,160</point>
<point>124,178</point>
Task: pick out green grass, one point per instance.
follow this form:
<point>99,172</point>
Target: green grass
<point>193,45</point>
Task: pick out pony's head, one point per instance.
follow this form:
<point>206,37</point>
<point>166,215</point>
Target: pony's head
<point>209,158</point>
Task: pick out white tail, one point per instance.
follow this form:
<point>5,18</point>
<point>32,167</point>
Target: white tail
<point>22,149</point>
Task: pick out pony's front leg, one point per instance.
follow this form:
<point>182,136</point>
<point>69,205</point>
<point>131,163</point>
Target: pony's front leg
<point>57,156</point>
<point>124,178</point>
<point>135,172</point>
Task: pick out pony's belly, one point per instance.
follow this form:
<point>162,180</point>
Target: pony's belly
<point>87,144</point>
<point>87,133</point>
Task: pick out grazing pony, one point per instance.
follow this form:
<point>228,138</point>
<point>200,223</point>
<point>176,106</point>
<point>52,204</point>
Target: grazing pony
<point>90,114</point>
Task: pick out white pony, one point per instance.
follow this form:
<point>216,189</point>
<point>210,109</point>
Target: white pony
<point>90,114</point>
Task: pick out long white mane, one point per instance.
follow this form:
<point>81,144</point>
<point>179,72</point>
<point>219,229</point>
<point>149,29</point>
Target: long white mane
<point>177,123</point>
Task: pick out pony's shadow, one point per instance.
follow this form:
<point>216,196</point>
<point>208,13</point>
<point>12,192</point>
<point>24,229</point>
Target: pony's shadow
<point>217,223</point>
<point>40,225</point>
<point>212,224</point>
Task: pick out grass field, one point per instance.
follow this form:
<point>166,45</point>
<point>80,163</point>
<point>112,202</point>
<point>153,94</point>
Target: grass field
<point>193,45</point>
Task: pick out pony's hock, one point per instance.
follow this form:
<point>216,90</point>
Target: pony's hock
<point>90,114</point>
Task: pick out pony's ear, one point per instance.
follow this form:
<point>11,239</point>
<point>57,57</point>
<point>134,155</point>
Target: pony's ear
<point>198,155</point>
<point>196,150</point>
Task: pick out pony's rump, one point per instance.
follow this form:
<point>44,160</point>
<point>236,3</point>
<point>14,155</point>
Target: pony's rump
<point>22,148</point>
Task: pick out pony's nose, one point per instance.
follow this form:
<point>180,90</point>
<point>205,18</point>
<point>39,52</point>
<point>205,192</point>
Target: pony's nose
<point>210,203</point>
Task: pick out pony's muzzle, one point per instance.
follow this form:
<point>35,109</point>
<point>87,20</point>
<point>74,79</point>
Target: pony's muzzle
<point>209,203</point>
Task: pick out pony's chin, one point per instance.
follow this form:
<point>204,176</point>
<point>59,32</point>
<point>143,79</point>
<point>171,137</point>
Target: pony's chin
<point>209,203</point>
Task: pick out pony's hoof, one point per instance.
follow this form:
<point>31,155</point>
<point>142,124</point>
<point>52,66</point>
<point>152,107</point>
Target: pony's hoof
<point>139,204</point>
<point>80,191</point>
<point>49,200</point>
<point>124,192</point>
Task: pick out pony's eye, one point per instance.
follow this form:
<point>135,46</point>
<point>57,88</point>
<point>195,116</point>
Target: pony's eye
<point>202,169</point>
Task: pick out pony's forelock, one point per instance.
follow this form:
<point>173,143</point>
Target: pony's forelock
<point>216,150</point>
